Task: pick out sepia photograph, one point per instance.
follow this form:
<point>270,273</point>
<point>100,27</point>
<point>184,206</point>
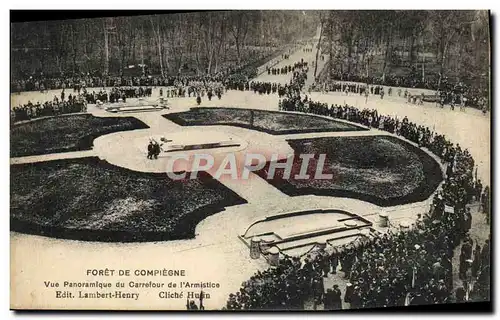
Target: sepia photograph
<point>250,160</point>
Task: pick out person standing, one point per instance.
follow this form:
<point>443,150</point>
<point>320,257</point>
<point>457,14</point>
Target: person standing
<point>485,254</point>
<point>150,150</point>
<point>328,300</point>
<point>460,295</point>
<point>334,262</point>
<point>465,254</point>
<point>156,150</point>
<point>336,298</point>
<point>476,262</point>
<point>318,291</point>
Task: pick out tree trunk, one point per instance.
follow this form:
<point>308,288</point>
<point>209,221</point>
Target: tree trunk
<point>74,48</point>
<point>412,49</point>
<point>387,52</point>
<point>238,54</point>
<point>444,47</point>
<point>210,60</point>
<point>156,32</point>
<point>317,50</point>
<point>122,58</point>
<point>331,50</point>
<point>165,56</point>
<point>106,50</point>
<point>197,55</point>
<point>160,55</point>
<point>349,54</point>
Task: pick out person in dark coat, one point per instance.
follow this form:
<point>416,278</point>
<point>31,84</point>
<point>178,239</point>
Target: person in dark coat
<point>468,220</point>
<point>156,150</point>
<point>325,266</point>
<point>328,301</point>
<point>337,298</point>
<point>198,100</point>
<point>476,263</point>
<point>318,291</point>
<point>150,150</point>
<point>334,262</point>
<point>348,292</point>
<point>485,254</point>
<point>356,302</point>
<point>465,254</point>
<point>460,295</point>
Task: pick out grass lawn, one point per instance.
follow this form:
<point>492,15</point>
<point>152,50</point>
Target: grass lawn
<point>383,170</point>
<point>271,122</point>
<point>65,133</point>
<point>89,199</point>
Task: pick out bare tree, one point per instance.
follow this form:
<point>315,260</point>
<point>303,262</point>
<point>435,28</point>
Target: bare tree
<point>239,30</point>
<point>318,46</point>
<point>155,25</point>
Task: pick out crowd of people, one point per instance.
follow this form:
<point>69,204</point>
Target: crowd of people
<point>299,76</point>
<point>154,148</point>
<point>439,98</point>
<point>80,82</point>
<point>116,94</point>
<point>58,106</point>
<point>226,73</point>
<point>412,267</point>
<point>447,92</point>
<point>77,102</point>
<point>287,69</point>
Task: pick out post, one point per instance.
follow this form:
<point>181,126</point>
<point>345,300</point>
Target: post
<point>383,220</point>
<point>274,258</point>
<point>255,248</point>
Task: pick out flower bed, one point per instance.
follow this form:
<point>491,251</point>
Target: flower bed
<point>380,169</point>
<point>65,133</point>
<point>89,199</point>
<point>271,122</point>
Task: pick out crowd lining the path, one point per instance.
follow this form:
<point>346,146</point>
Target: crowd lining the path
<point>412,267</point>
<point>58,106</point>
<point>196,87</point>
<point>446,91</point>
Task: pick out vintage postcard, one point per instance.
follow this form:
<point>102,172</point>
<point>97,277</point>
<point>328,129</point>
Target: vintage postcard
<point>250,160</point>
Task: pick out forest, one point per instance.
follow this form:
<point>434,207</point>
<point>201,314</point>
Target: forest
<point>432,44</point>
<point>422,44</point>
<point>167,44</point>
